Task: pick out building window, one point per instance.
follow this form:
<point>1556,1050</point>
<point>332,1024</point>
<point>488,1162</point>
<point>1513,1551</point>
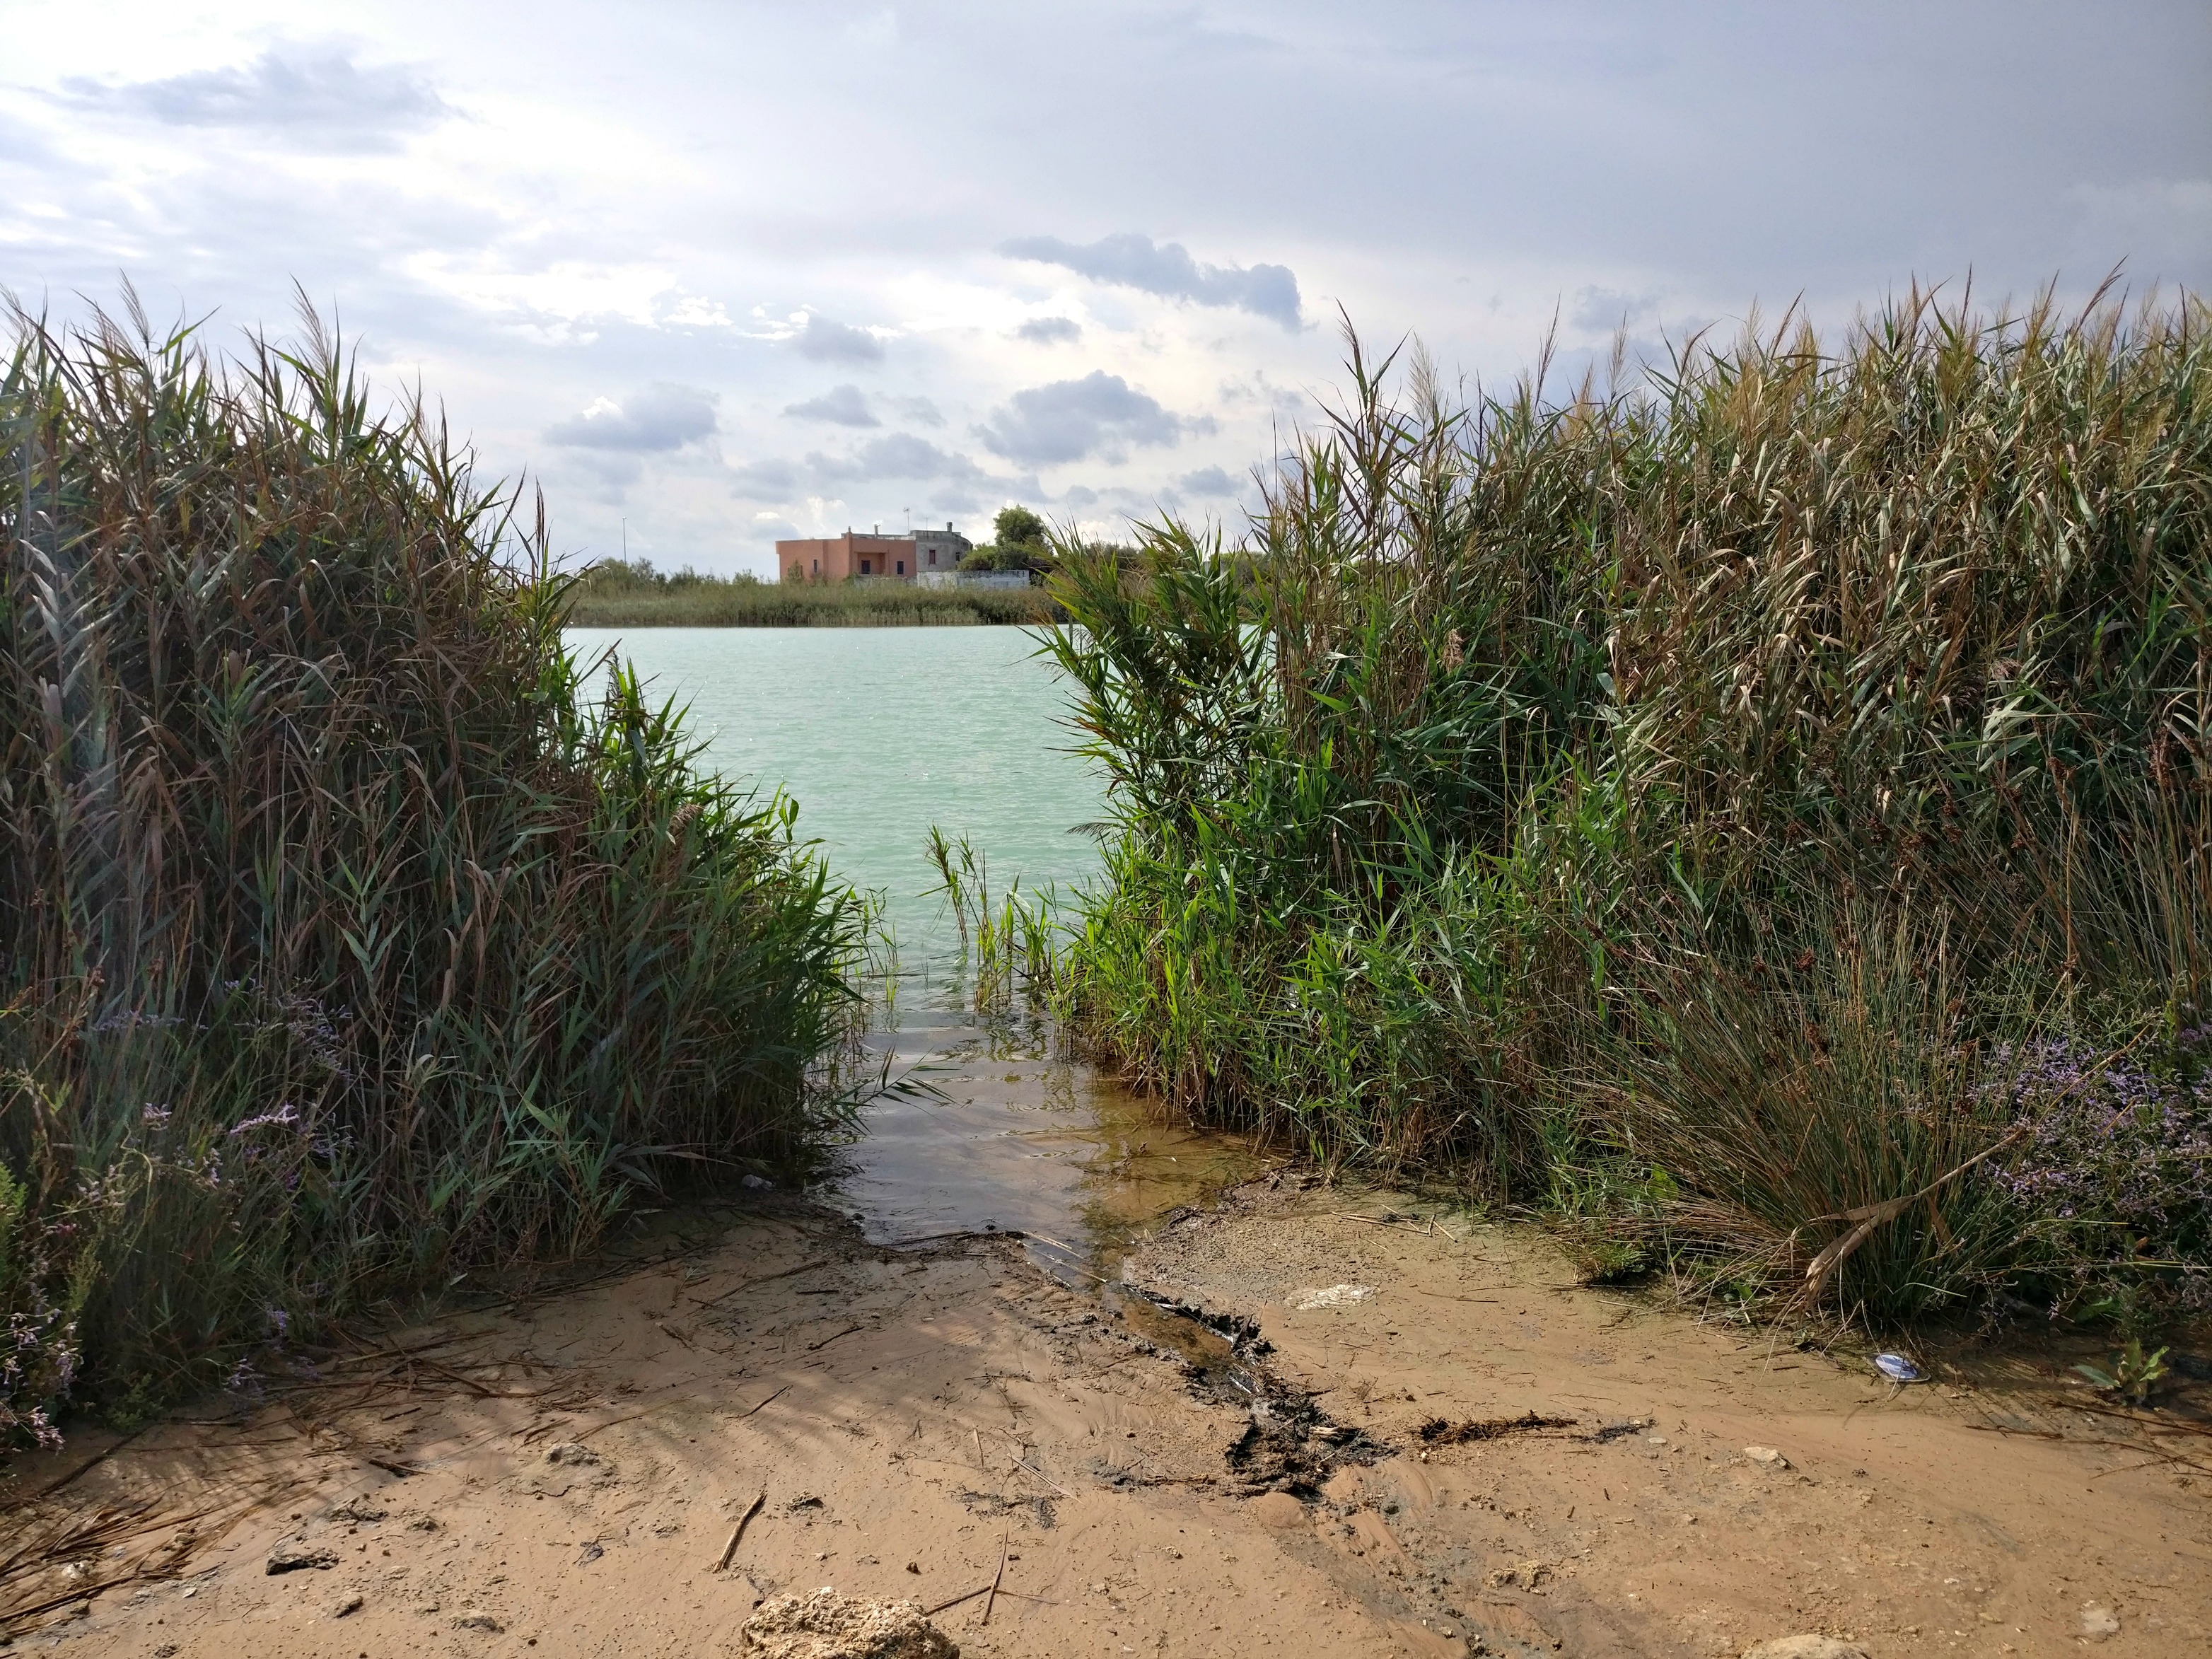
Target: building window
<point>818,567</point>
<point>863,567</point>
<point>901,567</point>
<point>932,556</point>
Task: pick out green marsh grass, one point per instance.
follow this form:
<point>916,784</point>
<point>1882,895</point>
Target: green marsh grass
<point>615,594</point>
<point>351,937</point>
<point>1684,806</point>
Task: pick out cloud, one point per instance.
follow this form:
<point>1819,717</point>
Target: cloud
<point>608,477</point>
<point>765,480</point>
<point>1207,481</point>
<point>842,405</point>
<point>1049,330</point>
<point>920,410</point>
<point>314,98</point>
<point>1133,261</point>
<point>1601,310</point>
<point>828,342</point>
<point>1068,420</point>
<point>900,455</point>
<point>662,417</point>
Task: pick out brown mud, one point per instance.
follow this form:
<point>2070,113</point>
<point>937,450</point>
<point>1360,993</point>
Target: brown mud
<point>1284,1430</point>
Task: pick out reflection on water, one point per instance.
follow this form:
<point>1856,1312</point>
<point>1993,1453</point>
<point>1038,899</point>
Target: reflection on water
<point>1007,1134</point>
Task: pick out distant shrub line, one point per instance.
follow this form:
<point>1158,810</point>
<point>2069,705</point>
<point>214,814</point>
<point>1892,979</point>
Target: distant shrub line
<point>615,594</point>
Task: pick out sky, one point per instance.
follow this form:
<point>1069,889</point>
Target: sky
<point>715,274</point>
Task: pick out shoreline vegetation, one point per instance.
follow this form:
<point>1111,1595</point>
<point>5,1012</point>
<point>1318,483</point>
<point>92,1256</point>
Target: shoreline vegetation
<point>615,594</point>
<point>631,594</point>
<point>351,941</point>
<point>1759,820</point>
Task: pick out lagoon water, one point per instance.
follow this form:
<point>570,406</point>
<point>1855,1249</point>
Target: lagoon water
<point>880,733</point>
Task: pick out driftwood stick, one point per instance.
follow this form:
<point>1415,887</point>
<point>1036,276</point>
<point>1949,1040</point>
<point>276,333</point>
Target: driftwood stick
<point>980,1589</point>
<point>730,1549</point>
<point>750,1410</point>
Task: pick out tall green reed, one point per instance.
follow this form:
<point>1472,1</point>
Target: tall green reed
<point>348,940</point>
<point>1679,792</point>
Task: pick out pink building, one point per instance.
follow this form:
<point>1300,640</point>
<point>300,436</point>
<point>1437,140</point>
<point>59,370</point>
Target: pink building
<point>842,558</point>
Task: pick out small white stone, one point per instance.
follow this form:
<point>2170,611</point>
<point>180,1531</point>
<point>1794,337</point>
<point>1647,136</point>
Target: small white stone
<point>2099,1623</point>
<point>1767,1456</point>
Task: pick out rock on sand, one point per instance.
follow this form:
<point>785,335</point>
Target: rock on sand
<point>828,1625</point>
<point>1805,1647</point>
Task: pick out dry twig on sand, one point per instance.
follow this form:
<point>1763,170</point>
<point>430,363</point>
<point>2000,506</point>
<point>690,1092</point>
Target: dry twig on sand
<point>738,1535</point>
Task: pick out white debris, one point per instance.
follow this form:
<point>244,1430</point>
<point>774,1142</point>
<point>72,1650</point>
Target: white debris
<point>1333,1295</point>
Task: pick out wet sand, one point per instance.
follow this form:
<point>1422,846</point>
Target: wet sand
<point>564,1473</point>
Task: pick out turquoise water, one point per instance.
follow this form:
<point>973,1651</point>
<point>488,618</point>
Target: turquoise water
<point>880,733</point>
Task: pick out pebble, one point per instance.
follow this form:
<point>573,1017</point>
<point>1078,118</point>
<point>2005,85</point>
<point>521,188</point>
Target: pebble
<point>291,1556</point>
<point>2099,1623</point>
<point>350,1603</point>
<point>1767,1456</point>
<point>1808,1646</point>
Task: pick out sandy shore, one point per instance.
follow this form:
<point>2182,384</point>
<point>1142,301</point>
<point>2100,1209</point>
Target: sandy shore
<point>565,1473</point>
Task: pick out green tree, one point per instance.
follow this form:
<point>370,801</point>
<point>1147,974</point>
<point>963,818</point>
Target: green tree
<point>1019,528</point>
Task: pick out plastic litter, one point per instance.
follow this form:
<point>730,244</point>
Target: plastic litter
<point>1898,1369</point>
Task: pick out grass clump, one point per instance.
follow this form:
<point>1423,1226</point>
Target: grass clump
<point>346,942</point>
<point>613,593</point>
<point>1752,814</point>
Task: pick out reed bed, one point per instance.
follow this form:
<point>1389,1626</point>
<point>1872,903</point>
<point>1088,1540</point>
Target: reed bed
<point>1757,816</point>
<point>617,594</point>
<point>349,939</point>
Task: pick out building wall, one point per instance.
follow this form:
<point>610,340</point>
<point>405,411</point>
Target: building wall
<point>840,558</point>
<point>939,550</point>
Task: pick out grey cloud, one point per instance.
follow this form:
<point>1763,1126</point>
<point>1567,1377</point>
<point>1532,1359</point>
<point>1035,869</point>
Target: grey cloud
<point>1068,420</point>
<point>1604,309</point>
<point>608,477</point>
<point>920,410</point>
<point>1078,495</point>
<point>900,455</point>
<point>662,417</point>
<point>1134,261</point>
<point>315,99</point>
<point>828,342</point>
<point>765,480</point>
<point>1207,481</point>
<point>1049,330</point>
<point>843,405</point>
